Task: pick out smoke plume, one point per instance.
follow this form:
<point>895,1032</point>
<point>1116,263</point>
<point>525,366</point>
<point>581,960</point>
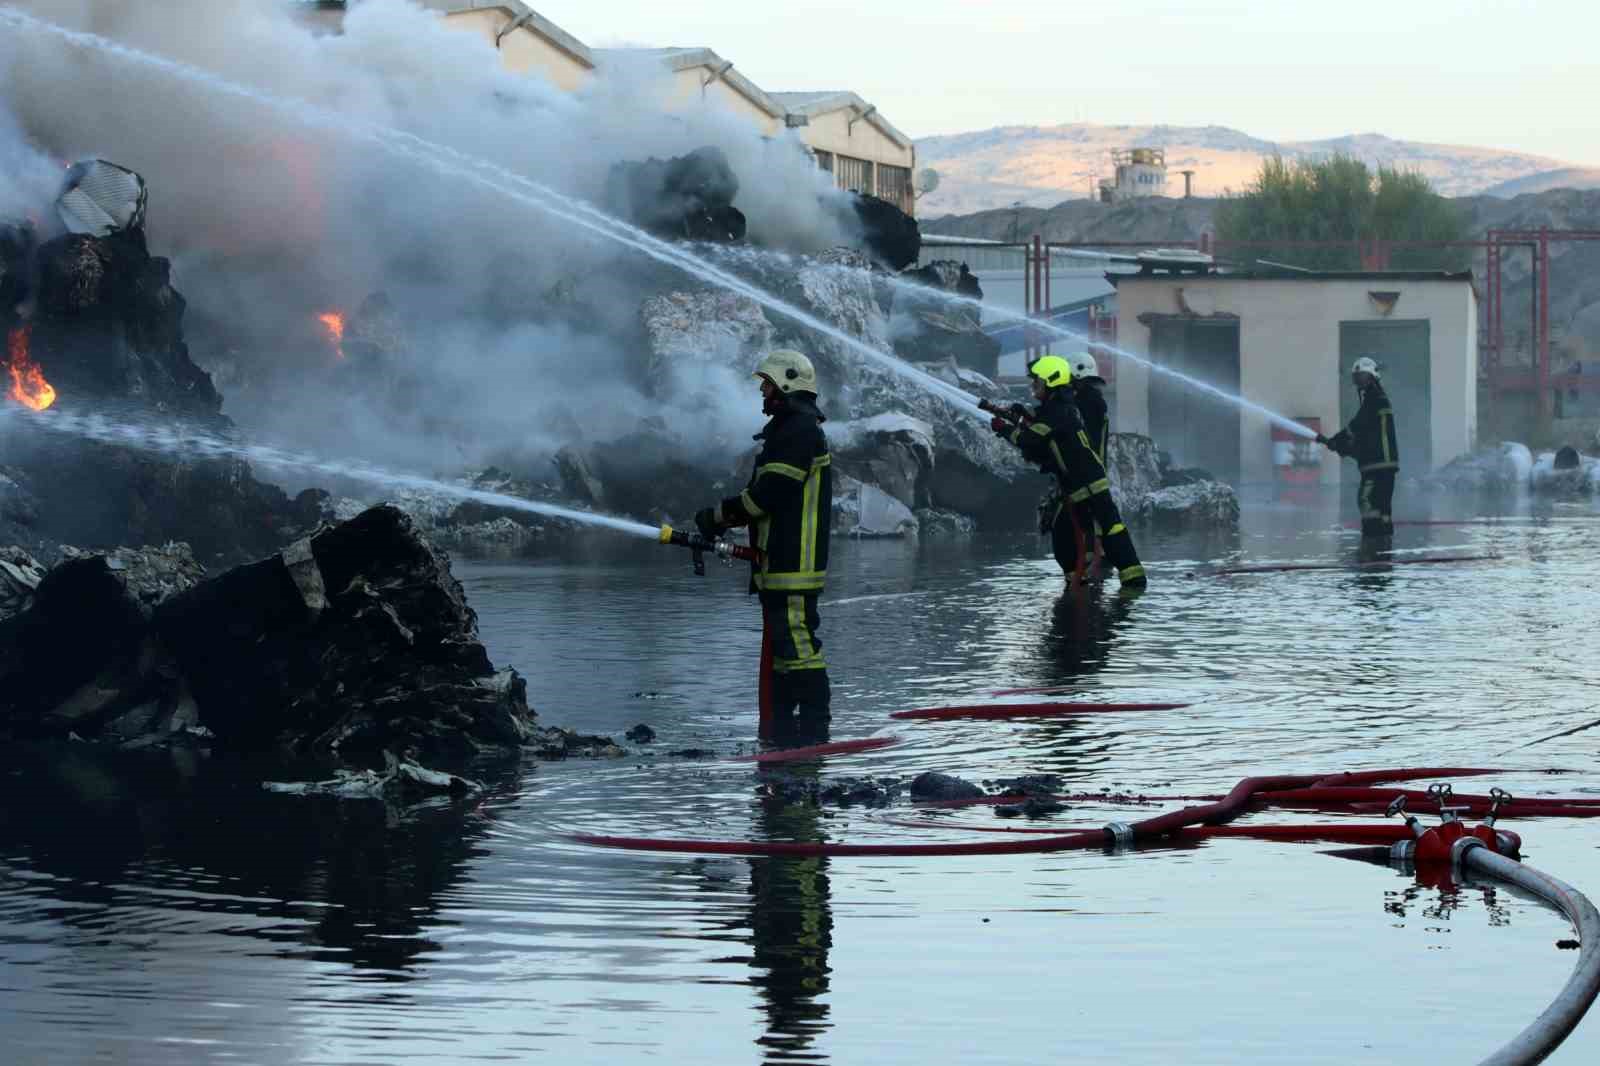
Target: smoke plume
<point>520,330</point>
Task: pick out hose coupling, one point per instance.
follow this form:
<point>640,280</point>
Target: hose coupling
<point>1121,834</point>
<point>1459,849</point>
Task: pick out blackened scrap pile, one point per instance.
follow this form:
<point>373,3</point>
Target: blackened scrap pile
<point>947,324</point>
<point>105,327</point>
<point>688,197</point>
<point>350,643</point>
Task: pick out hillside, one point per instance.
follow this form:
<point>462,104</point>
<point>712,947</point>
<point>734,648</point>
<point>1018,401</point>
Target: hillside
<point>1045,165</point>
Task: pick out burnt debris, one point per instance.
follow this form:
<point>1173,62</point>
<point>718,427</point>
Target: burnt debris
<point>348,644</point>
<point>686,197</point>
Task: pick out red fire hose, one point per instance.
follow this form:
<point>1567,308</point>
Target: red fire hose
<point>1380,833</point>
<point>1322,799</point>
<point>1211,813</point>
<point>1029,710</point>
<point>838,747</point>
<point>1276,568</point>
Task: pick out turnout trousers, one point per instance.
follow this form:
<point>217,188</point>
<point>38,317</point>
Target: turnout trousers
<point>1376,497</point>
<point>795,693</point>
<point>1095,508</point>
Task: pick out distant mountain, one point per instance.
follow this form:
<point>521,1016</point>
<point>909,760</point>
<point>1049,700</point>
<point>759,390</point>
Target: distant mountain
<point>1545,180</point>
<point>1044,165</point>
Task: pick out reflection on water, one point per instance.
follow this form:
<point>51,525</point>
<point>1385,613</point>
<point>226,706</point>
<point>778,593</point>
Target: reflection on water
<point>162,906</point>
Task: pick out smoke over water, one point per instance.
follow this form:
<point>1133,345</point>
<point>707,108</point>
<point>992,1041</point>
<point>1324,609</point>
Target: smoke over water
<point>504,333</point>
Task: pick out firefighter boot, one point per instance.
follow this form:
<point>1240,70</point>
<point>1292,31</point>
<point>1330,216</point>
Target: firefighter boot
<point>813,696</point>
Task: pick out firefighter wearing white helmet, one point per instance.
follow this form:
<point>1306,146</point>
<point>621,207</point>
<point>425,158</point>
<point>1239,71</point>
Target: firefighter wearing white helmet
<point>787,505</point>
<point>1369,439</point>
<point>1086,386</point>
<point>1054,437</point>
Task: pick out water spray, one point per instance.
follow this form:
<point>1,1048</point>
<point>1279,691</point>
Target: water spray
<point>495,178</point>
<point>183,441</point>
<point>1067,334</point>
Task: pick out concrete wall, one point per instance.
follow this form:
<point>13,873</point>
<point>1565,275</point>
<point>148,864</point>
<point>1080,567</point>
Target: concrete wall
<point>1289,359</point>
<point>523,51</point>
<point>832,132</point>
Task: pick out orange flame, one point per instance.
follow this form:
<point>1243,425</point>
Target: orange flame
<point>28,386</point>
<point>333,322</point>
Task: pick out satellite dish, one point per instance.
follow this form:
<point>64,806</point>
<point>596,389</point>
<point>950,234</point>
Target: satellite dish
<point>927,180</point>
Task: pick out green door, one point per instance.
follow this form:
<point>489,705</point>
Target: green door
<point>1401,349</point>
<point>1195,427</point>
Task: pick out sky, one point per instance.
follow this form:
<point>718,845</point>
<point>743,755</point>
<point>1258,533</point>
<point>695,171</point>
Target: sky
<point>1515,74</point>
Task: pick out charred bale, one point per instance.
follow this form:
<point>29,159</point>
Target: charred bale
<point>890,236</point>
<point>355,641</point>
<point>686,197</point>
<point>107,333</point>
<point>942,325</point>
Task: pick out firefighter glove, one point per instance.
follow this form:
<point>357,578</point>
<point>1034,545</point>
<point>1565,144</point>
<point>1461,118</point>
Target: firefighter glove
<point>1001,427</point>
<point>705,520</point>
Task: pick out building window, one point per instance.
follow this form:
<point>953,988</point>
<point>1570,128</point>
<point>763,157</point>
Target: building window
<point>824,160</point>
<point>853,174</point>
<point>894,185</point>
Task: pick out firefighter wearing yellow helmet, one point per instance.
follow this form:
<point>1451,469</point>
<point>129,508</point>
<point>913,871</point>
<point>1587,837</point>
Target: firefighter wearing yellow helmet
<point>1054,438</point>
<point>788,505</point>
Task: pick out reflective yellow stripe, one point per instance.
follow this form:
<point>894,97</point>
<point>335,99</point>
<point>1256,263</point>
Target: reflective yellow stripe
<point>781,468</point>
<point>1016,437</point>
<point>1079,496</point>
<point>1128,573</point>
<point>825,459</point>
<point>1061,464</point>
<point>749,502</point>
<point>1370,467</point>
<point>1084,440</point>
<point>799,632</point>
<point>793,581</point>
<point>808,522</point>
<point>1385,418</point>
<point>1100,485</point>
<point>1039,428</point>
<point>1118,528</point>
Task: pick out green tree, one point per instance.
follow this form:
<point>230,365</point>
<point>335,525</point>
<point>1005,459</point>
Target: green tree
<point>1338,198</point>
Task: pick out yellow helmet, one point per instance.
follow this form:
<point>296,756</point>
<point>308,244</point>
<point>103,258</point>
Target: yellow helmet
<point>789,370</point>
<point>1053,370</point>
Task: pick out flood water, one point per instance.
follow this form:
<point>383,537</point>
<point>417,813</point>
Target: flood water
<point>163,909</point>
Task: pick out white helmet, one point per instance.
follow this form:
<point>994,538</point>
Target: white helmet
<point>789,370</point>
<point>1365,365</point>
<point>1084,368</point>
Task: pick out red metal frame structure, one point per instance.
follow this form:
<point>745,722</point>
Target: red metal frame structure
<point>1376,255</point>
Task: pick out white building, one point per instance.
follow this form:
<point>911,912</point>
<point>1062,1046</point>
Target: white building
<point>853,141</point>
<point>1286,342</point>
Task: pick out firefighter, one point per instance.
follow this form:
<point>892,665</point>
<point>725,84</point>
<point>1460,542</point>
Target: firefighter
<point>1369,439</point>
<point>1086,386</point>
<point>1091,404</point>
<point>1056,440</point>
<point>788,505</point>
